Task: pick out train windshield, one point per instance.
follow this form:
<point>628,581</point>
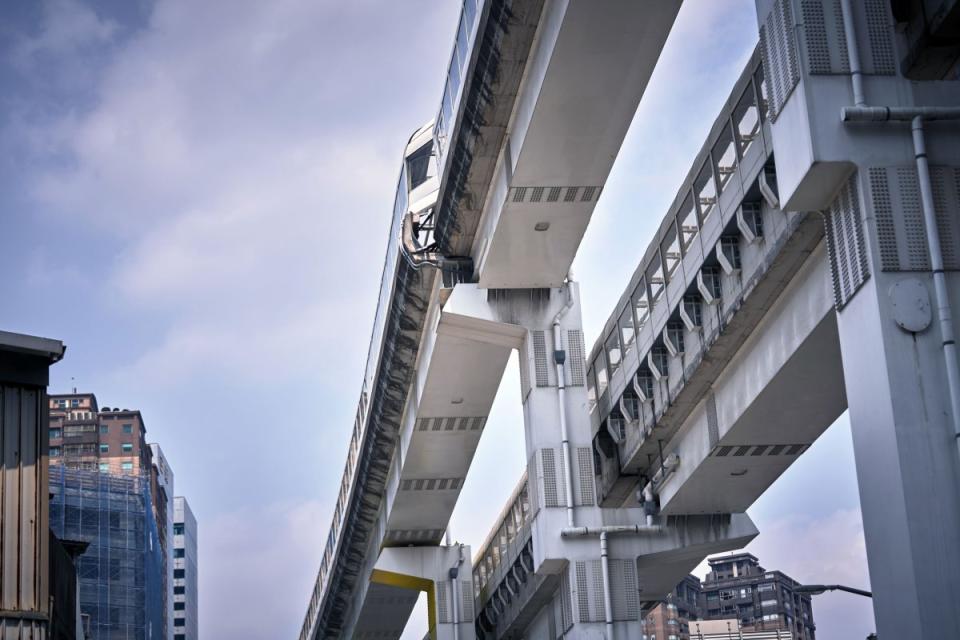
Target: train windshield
<point>419,165</point>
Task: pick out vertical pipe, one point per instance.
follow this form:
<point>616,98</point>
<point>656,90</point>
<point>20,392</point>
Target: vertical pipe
<point>941,299</point>
<point>607,600</point>
<point>853,53</point>
<point>456,606</point>
<point>558,360</point>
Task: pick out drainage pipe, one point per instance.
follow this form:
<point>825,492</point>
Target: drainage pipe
<point>941,298</point>
<point>603,532</point>
<point>916,116</point>
<point>607,599</point>
<point>455,593</point>
<point>853,53</point>
<point>610,529</point>
<point>559,356</point>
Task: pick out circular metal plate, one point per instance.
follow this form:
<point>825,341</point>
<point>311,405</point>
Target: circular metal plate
<point>911,305</point>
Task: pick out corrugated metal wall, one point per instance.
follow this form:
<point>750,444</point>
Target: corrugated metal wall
<point>24,514</point>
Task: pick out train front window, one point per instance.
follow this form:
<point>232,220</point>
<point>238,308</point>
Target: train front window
<point>418,165</point>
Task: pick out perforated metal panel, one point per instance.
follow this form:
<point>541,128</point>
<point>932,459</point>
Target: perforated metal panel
<point>901,230</point>
<point>583,593</point>
<point>946,201</point>
<point>623,590</point>
<point>533,484</point>
<point>815,36</point>
<point>845,243</point>
<point>566,603</point>
<point>825,43</point>
<point>585,479</point>
<point>443,611</point>
<point>551,488</point>
<point>466,600</point>
<point>541,366</point>
<point>741,450</point>
<point>405,536</point>
<point>461,423</point>
<point>596,591</point>
<point>778,49</point>
<point>576,359</point>
<point>554,194</point>
<point>431,484</point>
<point>883,215</point>
<point>879,33</point>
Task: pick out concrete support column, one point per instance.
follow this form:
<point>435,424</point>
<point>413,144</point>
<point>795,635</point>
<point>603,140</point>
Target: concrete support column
<point>906,455</point>
<point>433,571</point>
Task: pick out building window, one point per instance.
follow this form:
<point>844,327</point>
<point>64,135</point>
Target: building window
<point>179,573</point>
<point>600,371</point>
<point>178,529</point>
<point>178,553</point>
<point>670,250</point>
<point>54,452</point>
<point>128,428</point>
<point>104,467</point>
<point>56,433</point>
<point>627,333</point>
<point>179,590</point>
<point>179,606</point>
<point>104,429</point>
<point>126,466</point>
<point>127,447</point>
<point>655,280</point>
<point>614,355</point>
<point>179,622</point>
<point>179,636</point>
<point>687,220</point>
<point>104,448</point>
<point>74,402</point>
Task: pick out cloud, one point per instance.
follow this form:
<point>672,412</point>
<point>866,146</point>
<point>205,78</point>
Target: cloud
<point>257,568</point>
<point>68,26</point>
<point>245,170</point>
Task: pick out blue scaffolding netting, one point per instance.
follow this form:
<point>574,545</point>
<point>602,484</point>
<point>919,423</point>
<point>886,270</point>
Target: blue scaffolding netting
<point>121,573</point>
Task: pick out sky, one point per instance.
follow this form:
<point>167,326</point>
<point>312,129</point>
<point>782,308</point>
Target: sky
<point>195,198</point>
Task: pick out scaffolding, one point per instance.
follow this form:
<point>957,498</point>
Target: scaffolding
<point>121,573</point>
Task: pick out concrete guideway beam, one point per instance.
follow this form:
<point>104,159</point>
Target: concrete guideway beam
<point>563,139</point>
<point>772,401</point>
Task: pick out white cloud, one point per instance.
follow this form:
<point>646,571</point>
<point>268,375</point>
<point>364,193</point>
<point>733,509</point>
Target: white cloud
<point>246,168</point>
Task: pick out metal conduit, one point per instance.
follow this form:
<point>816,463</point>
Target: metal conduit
<point>559,357</point>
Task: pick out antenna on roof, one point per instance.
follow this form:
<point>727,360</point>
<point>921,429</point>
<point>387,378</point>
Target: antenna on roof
<point>74,380</point>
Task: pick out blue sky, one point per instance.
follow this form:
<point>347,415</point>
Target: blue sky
<point>195,198</point>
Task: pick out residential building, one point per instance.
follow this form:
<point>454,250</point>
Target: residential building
<point>738,587</point>
<point>670,620</point>
<point>185,585</point>
<point>83,436</point>
<point>112,490</point>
